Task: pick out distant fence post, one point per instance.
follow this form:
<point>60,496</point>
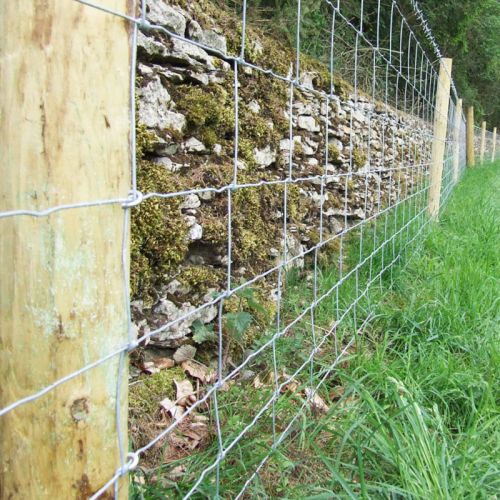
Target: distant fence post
<point>440,126</point>
<point>456,139</point>
<point>471,158</point>
<point>494,146</point>
<point>65,123</point>
<point>483,143</point>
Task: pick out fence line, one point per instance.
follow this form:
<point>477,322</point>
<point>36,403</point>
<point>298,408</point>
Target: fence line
<point>385,237</point>
<point>487,142</point>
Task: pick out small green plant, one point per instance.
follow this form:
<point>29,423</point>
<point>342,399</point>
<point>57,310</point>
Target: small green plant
<point>203,333</point>
<point>246,310</point>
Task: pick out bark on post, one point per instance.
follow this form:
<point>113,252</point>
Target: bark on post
<point>64,123</point>
<point>456,139</point>
<point>440,126</point>
<point>483,143</point>
<point>494,146</point>
<point>471,158</point>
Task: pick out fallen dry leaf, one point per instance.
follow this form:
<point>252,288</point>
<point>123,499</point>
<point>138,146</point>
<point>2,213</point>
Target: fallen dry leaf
<point>149,368</point>
<point>337,392</point>
<point>177,472</point>
<point>197,370</point>
<point>184,353</point>
<point>292,387</point>
<point>257,383</point>
<point>316,401</point>
<point>226,386</point>
<point>175,411</point>
<point>185,392</point>
<point>164,363</point>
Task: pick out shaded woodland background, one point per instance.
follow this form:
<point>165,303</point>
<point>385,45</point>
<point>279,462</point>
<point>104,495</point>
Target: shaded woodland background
<point>466,30</point>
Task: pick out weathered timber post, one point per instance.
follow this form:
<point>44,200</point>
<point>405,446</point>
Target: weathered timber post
<point>64,123</point>
<point>494,146</point>
<point>471,158</point>
<point>456,139</point>
<point>439,144</point>
<point>483,143</point>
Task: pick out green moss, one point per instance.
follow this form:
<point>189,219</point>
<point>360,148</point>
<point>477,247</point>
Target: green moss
<point>159,232</point>
<point>144,140</point>
<point>245,151</point>
<point>209,112</point>
<point>254,231</point>
<point>334,154</point>
<point>359,157</point>
<point>200,278</point>
<point>214,230</point>
<point>342,88</point>
<point>380,107</point>
<point>146,394</point>
<point>297,204</point>
<point>328,254</point>
<point>255,128</point>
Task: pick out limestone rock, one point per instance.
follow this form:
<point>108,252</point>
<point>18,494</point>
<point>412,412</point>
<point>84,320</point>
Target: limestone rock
<point>188,54</point>
<point>152,49</point>
<point>308,123</point>
<point>165,312</point>
<point>195,232</point>
<point>293,249</point>
<point>212,39</point>
<point>153,108</point>
<point>198,77</point>
<point>193,145</point>
<point>254,106</point>
<point>164,15</point>
<point>265,157</point>
<point>190,201</point>
<point>209,38</point>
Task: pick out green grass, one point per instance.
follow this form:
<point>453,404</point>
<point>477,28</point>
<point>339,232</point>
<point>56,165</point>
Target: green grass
<point>414,410</point>
<point>423,419</point>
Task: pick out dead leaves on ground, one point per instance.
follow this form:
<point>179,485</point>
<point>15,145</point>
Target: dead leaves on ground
<point>191,430</point>
<point>199,371</point>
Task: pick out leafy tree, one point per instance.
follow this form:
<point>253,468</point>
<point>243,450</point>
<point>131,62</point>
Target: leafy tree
<point>466,30</point>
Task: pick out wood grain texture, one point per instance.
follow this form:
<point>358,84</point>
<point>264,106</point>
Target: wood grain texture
<point>456,139</point>
<point>64,123</point>
<point>439,144</point>
<point>494,145</point>
<point>483,143</point>
<point>471,155</point>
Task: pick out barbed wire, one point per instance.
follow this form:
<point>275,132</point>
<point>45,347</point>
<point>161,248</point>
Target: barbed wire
<point>386,235</point>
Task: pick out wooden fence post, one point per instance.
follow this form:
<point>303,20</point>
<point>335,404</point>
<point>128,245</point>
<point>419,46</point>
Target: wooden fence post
<point>440,126</point>
<point>483,143</point>
<point>494,146</point>
<point>471,157</point>
<point>64,123</point>
<point>456,139</point>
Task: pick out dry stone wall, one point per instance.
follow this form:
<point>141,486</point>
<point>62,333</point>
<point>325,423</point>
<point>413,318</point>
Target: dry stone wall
<point>186,139</point>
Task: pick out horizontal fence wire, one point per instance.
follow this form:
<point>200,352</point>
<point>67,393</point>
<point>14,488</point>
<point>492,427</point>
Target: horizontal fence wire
<point>403,76</point>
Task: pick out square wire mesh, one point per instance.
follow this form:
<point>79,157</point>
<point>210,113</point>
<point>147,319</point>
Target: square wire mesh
<point>392,68</point>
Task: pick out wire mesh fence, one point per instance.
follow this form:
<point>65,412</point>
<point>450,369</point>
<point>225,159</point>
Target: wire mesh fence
<point>322,291</point>
<point>486,145</point>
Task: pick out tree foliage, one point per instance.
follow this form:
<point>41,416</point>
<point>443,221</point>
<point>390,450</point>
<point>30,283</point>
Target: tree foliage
<point>466,30</point>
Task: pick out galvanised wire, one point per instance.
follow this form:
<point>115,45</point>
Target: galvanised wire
<point>410,78</point>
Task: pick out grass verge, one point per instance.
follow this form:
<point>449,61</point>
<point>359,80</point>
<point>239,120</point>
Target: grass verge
<point>419,417</point>
<point>413,410</point>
